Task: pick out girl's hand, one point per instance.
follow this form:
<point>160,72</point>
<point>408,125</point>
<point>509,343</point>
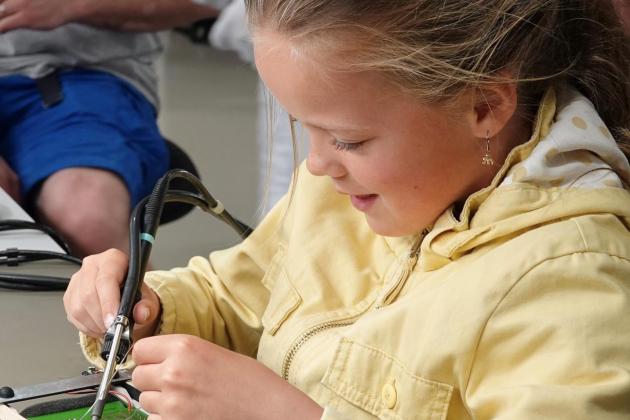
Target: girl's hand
<point>93,296</point>
<point>186,377</point>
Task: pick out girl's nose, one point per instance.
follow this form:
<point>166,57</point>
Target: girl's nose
<point>322,159</point>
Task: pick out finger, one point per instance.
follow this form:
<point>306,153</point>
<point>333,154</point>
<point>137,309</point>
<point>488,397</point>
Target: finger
<point>150,350</point>
<point>147,377</point>
<point>10,7</point>
<point>143,313</point>
<point>89,331</point>
<point>108,280</point>
<point>85,324</point>
<point>12,21</point>
<point>151,402</point>
<point>154,417</point>
<point>156,349</point>
<point>147,310</point>
<point>88,296</point>
<point>79,297</point>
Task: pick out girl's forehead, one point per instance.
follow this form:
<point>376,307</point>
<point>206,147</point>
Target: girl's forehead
<point>312,90</point>
<point>279,57</point>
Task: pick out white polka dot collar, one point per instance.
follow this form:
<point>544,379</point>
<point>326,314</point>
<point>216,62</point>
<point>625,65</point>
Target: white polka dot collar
<point>579,151</point>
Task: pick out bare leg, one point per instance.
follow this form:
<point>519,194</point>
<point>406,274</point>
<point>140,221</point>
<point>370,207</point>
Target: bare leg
<point>89,207</point>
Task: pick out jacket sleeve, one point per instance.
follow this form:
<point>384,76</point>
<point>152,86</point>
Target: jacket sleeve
<point>221,298</point>
<point>557,345</point>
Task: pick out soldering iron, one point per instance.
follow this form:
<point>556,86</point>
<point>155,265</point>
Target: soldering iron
<point>143,226</point>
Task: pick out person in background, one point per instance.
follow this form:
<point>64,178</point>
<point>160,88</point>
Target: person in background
<point>79,141</point>
<point>457,244</point>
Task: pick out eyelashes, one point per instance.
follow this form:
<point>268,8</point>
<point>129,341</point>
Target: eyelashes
<point>340,145</point>
<point>347,147</point>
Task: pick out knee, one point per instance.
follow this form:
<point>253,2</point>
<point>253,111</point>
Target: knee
<point>82,217</point>
<point>85,206</point>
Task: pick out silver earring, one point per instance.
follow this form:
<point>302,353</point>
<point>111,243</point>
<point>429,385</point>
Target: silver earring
<point>487,160</point>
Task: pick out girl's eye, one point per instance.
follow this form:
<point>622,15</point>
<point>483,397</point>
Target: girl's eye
<point>347,147</point>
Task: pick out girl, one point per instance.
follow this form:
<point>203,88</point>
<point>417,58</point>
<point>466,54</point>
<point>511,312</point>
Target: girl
<point>457,245</point>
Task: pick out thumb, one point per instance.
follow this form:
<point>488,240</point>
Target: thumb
<point>144,313</point>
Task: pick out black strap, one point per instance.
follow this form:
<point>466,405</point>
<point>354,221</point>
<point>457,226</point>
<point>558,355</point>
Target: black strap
<point>50,89</point>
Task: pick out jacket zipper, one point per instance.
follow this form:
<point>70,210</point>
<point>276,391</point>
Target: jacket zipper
<point>311,332</point>
<point>304,337</point>
<point>410,264</point>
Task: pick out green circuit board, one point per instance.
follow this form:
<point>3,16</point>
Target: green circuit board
<point>113,411</point>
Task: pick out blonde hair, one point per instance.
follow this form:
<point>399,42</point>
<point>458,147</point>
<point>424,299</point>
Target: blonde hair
<point>438,49</point>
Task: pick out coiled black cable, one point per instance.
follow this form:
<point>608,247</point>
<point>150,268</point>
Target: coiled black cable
<point>15,256</point>
<point>144,219</point>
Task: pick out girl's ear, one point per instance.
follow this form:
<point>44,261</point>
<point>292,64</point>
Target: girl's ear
<point>491,107</point>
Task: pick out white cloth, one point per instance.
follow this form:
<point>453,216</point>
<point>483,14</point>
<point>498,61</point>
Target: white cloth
<point>230,31</point>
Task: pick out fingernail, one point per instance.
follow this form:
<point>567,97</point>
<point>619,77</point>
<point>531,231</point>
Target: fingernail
<point>109,320</point>
<point>144,314</point>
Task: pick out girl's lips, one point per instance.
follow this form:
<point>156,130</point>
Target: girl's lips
<point>363,202</point>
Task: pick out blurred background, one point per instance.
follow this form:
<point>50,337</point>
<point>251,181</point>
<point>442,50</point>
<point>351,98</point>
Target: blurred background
<point>209,110</point>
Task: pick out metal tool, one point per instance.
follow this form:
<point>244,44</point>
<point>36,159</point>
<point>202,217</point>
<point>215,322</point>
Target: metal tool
<point>118,339</point>
<point>62,386</point>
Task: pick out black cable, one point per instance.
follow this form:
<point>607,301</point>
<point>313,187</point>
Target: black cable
<point>16,256</point>
<point>16,281</point>
<point>147,213</point>
<point>33,282</point>
<point>190,198</point>
<point>16,224</point>
<point>143,226</point>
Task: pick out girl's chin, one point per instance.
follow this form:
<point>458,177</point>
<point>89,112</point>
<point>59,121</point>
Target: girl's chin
<point>386,226</point>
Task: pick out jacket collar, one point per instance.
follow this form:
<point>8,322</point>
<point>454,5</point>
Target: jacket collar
<point>570,166</point>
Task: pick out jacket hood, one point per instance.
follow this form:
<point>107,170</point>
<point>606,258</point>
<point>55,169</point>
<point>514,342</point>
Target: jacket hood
<point>571,166</point>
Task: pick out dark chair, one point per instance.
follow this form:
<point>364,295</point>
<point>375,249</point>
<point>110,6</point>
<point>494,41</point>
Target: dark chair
<point>179,160</point>
<point>197,32</point>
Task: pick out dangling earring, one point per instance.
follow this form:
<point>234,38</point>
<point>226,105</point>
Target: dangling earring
<point>487,160</point>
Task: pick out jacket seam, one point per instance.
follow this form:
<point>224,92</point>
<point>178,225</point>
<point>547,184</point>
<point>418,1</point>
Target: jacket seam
<point>506,294</point>
<point>581,232</point>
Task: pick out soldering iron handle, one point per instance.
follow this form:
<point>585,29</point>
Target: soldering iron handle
<point>143,226</point>
<point>132,282</point>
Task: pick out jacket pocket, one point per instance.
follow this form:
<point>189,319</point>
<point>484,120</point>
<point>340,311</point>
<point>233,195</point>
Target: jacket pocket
<point>283,298</point>
<point>377,383</point>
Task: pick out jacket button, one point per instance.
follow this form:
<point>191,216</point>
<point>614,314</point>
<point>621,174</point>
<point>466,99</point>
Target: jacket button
<point>388,394</point>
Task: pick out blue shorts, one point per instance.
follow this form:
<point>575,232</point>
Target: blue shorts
<point>102,122</point>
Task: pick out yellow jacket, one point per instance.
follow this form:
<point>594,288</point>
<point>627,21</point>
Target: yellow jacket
<point>517,308</point>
